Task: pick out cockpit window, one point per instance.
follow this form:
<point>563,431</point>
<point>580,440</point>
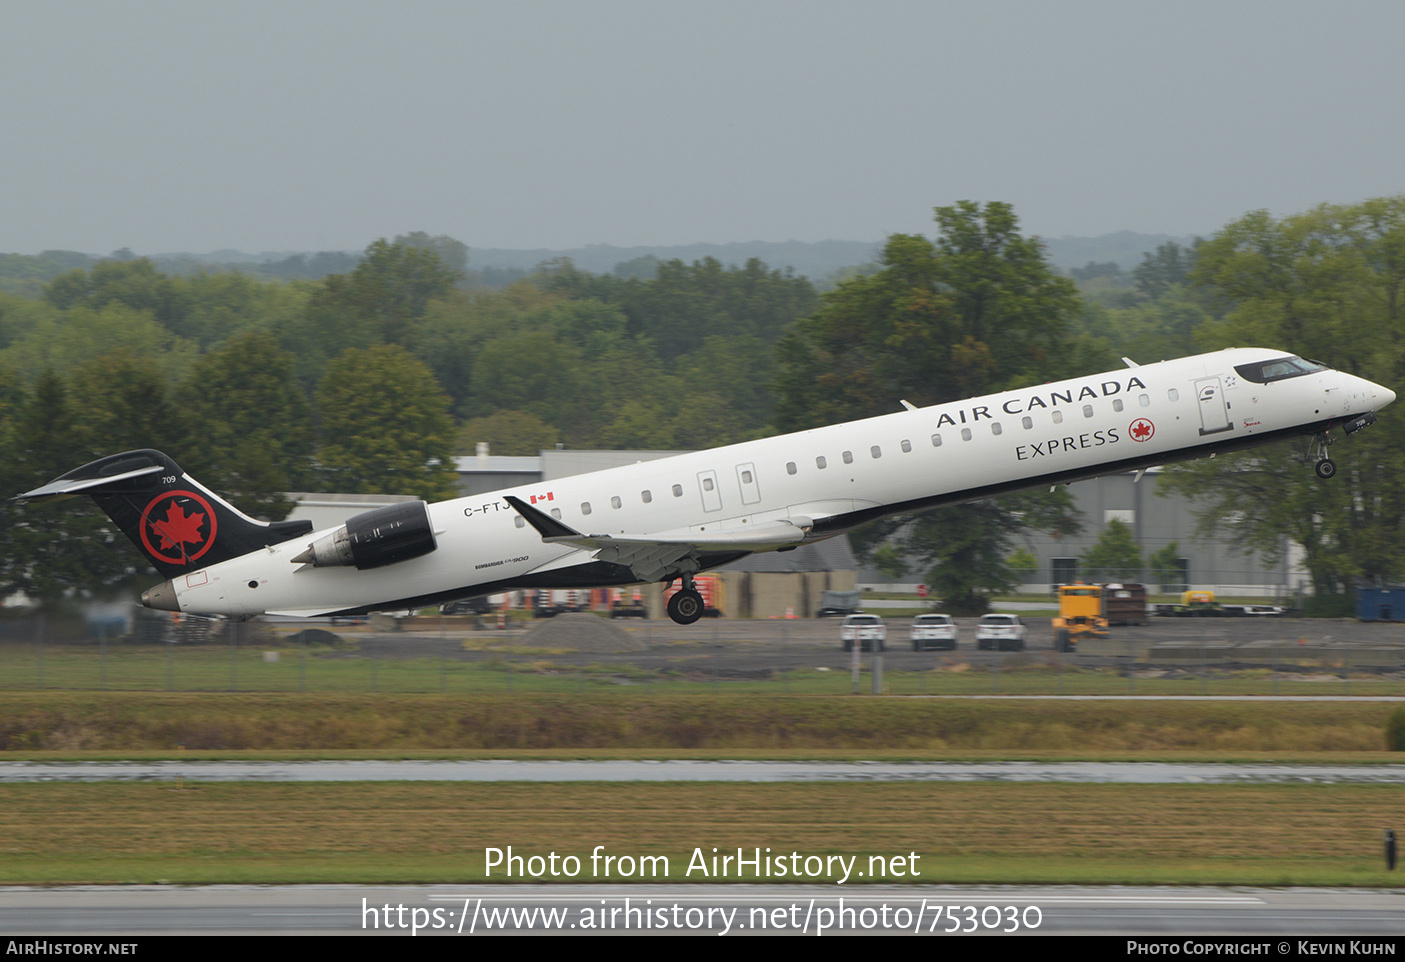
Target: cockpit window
<point>1261,372</point>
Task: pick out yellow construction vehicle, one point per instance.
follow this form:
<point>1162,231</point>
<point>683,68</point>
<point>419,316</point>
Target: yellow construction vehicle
<point>1080,615</point>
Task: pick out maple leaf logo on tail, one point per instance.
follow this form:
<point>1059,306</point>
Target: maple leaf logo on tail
<point>1141,430</point>
<point>177,527</point>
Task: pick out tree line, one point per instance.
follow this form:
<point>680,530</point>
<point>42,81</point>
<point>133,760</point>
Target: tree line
<point>371,379</point>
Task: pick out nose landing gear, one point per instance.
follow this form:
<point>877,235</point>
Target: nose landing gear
<point>1326,468</point>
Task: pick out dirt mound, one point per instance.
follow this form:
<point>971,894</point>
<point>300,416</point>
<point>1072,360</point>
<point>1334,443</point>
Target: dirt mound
<point>317,636</point>
<point>580,632</point>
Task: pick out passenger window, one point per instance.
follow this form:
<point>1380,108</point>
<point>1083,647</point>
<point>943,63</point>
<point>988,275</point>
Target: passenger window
<point>995,427</point>
<point>848,457</point>
<point>1144,400</point>
<point>907,447</point>
<point>965,434</point>
<point>615,502</point>
<point>936,440</point>
<point>746,477</point>
<point>520,521</point>
<point>820,462</point>
<point>707,484</point>
<point>585,507</point>
<point>678,490</point>
<point>1058,417</point>
<point>1087,410</point>
<point>876,452</point>
<point>646,496</point>
<point>1027,423</point>
<point>1173,395</point>
<point>790,467</point>
<point>556,513</point>
<point>1117,404</point>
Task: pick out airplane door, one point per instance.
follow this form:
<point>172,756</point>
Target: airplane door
<point>746,478</point>
<point>711,493</point>
<point>1214,412</point>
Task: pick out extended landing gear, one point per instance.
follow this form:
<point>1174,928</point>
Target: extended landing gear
<point>1326,468</point>
<point>686,606</point>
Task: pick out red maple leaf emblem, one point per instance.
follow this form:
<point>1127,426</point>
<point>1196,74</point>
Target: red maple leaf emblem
<point>1141,430</point>
<point>179,527</point>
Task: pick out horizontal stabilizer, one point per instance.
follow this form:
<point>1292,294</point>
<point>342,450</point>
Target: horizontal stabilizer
<point>65,487</point>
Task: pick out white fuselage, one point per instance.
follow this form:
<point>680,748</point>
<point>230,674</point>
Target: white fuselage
<point>832,478</point>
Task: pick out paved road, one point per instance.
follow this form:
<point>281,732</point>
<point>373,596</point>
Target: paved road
<point>1162,913</point>
<point>1156,773</point>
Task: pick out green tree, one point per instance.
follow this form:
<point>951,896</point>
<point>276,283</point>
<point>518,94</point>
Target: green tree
<point>121,401</point>
<point>61,341</point>
<point>379,302</point>
<point>889,561</point>
<point>50,551</point>
<point>510,433</point>
<point>1325,284</point>
<point>246,425</point>
<point>394,284</point>
<point>683,304</point>
<point>975,311</point>
<point>531,371</point>
<point>456,327</point>
<point>134,283</point>
<point>1115,556</point>
<point>453,254</point>
<point>385,426</point>
<point>1167,268</point>
<point>1023,563</point>
<point>1163,564</point>
<point>966,549</point>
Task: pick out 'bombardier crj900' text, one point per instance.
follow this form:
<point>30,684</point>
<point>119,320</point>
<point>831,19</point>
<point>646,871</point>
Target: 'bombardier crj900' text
<point>669,519</point>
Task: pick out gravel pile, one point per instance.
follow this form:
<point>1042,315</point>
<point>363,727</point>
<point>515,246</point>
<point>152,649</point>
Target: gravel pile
<point>580,632</point>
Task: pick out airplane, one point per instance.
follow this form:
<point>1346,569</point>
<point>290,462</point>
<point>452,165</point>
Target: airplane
<point>666,520</point>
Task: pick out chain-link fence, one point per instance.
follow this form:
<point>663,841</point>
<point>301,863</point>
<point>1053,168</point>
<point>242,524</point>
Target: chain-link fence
<point>1195,656</point>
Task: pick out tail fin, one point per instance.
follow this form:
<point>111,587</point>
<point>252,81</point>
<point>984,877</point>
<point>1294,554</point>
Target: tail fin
<point>174,520</point>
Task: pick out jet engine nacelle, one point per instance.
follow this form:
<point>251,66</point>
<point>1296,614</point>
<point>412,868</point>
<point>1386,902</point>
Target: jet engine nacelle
<point>373,539</point>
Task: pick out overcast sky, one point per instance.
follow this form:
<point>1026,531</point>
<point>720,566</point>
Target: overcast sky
<point>193,126</point>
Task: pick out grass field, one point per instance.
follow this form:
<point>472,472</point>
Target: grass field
<point>65,833</point>
<point>731,669</point>
<point>437,832</point>
<point>631,720</point>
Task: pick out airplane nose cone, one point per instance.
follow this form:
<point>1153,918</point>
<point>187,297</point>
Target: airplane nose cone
<point>1384,396</point>
<point>162,597</point>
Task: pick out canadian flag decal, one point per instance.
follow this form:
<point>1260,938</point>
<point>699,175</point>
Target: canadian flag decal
<point>549,496</point>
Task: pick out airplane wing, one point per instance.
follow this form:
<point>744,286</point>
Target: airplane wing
<point>652,557</point>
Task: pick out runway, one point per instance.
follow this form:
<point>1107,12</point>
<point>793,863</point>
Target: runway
<point>674,770</point>
<point>928,910</point>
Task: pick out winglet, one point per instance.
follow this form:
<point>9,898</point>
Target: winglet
<point>546,525</point>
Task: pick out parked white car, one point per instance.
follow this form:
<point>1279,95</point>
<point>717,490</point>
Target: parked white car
<point>933,633</point>
<point>1000,632</point>
<point>868,630</point>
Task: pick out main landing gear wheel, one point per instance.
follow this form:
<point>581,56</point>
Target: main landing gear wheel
<point>1326,468</point>
<point>686,606</point>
